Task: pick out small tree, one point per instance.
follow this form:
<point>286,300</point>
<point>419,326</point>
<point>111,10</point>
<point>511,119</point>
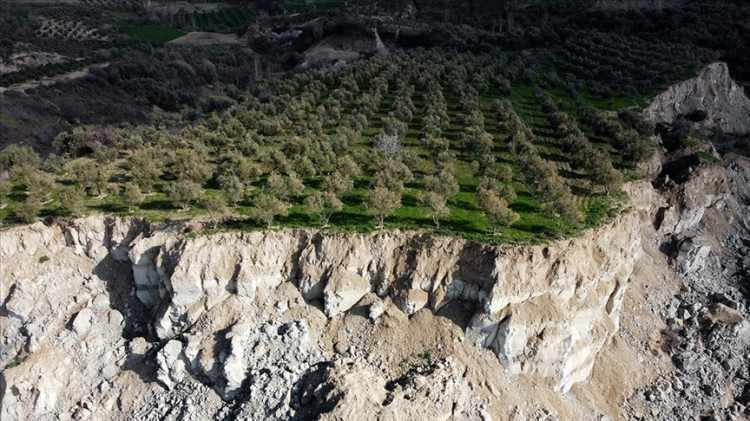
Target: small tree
<point>37,182</point>
<point>233,188</point>
<point>324,204</point>
<point>276,185</point>
<point>183,193</point>
<point>294,185</point>
<point>5,188</point>
<point>444,184</point>
<point>284,187</point>
<point>496,208</point>
<point>215,208</point>
<point>603,174</point>
<point>381,202</point>
<point>29,209</point>
<point>438,206</point>
<point>337,183</point>
<point>267,207</point>
<point>348,166</point>
<point>101,180</point>
<point>393,176</point>
<point>145,169</point>
<point>505,191</point>
<point>72,200</point>
<point>189,164</point>
<point>132,196</point>
<point>388,144</point>
<point>91,176</point>
<point>14,155</point>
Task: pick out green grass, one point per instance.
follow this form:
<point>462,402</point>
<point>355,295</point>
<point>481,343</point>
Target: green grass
<point>157,33</point>
<point>466,219</point>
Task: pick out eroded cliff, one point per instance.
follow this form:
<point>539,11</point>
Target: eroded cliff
<point>294,323</point>
<point>109,318</point>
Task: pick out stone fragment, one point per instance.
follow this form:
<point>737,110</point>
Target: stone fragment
<point>412,300</point>
<point>721,313</point>
<point>82,321</point>
<point>343,291</point>
<point>171,367</point>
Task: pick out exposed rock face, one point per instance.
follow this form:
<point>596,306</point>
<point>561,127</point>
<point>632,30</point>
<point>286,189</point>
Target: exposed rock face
<point>712,100</point>
<point>224,310</point>
<point>706,233</point>
<point>544,310</point>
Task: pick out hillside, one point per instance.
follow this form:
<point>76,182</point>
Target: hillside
<point>394,210</point>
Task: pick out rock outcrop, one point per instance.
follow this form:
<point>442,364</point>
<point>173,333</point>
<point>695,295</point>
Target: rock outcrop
<point>117,305</point>
<point>711,100</point>
<point>705,229</point>
<point>545,310</point>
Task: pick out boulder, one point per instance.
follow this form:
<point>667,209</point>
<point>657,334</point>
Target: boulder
<point>171,366</point>
<point>82,321</point>
<point>343,291</point>
<point>413,300</point>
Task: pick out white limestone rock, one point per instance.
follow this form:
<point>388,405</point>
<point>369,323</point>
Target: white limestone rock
<point>343,291</point>
<point>82,321</point>
<point>171,364</point>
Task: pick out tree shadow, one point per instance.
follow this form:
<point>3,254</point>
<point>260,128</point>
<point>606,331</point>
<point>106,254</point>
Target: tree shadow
<point>523,208</point>
<point>110,208</point>
<point>159,204</point>
<point>462,204</point>
<point>350,219</point>
<point>556,157</point>
<point>571,174</point>
<point>532,228</point>
<point>580,191</point>
<point>460,226</point>
<point>351,200</point>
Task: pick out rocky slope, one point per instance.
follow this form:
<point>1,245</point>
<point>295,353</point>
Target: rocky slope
<point>705,232</point>
<point>115,318</point>
<point>711,100</point>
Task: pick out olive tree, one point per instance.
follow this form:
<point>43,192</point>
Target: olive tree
<point>182,193</point>
<point>72,200</point>
<point>233,188</point>
<point>145,169</point>
<point>437,205</point>
<point>324,204</point>
<point>267,207</point>
<point>29,209</point>
<point>496,209</point>
<point>132,196</point>
<point>381,202</point>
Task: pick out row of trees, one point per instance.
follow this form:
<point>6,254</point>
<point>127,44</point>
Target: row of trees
<point>552,191</point>
<point>580,152</point>
<point>308,143</point>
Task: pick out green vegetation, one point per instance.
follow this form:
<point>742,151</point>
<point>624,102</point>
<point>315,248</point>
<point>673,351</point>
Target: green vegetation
<point>387,143</point>
<point>158,33</point>
<point>223,19</point>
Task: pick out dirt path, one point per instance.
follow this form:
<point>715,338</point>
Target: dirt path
<point>51,80</point>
